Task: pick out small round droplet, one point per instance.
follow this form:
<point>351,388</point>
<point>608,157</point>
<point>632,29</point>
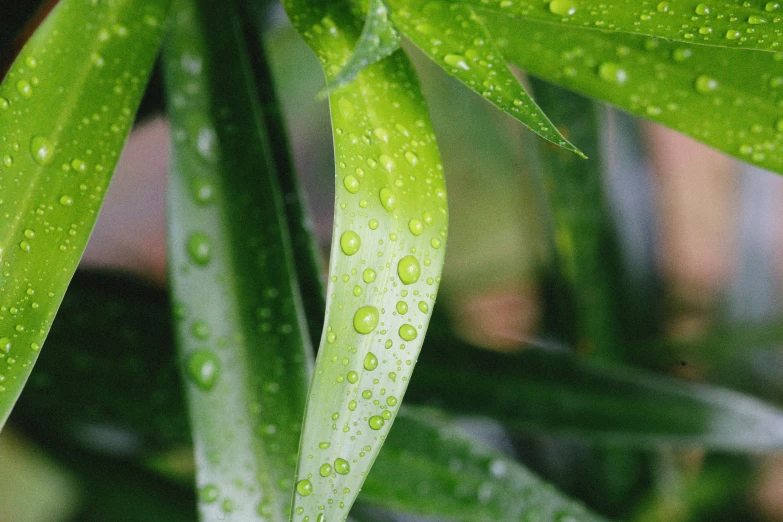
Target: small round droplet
<point>325,470</point>
<point>350,242</point>
<point>351,183</point>
<point>66,200</point>
<point>408,332</point>
<point>391,400</point>
<point>412,158</point>
<point>5,345</point>
<point>200,248</point>
<point>663,7</point>
<point>203,369</point>
<point>424,307</point>
<point>376,422</point>
<point>702,9</point>
<point>409,270</point>
<point>342,466</point>
<point>457,61</point>
<point>370,361</point>
<point>733,34</point>
<point>562,7</point>
<point>402,307</point>
<point>435,242</point>
<point>369,275</point>
<point>388,199</point>
<point>366,319</point>
<point>353,377</point>
<point>416,227</point>
<point>304,487</point>
<point>42,150</point>
<point>325,445</point>
<point>208,494</point>
<point>203,191</point>
<point>705,85</point>
<point>23,87</point>
<point>612,73</point>
<point>374,224</point>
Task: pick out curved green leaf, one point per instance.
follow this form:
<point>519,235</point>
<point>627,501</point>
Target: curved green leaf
<point>429,467</point>
<point>456,39</point>
<point>378,40</point>
<point>241,331</point>
<point>548,391</point>
<point>66,107</point>
<point>725,23</point>
<point>386,261</point>
<point>729,99</point>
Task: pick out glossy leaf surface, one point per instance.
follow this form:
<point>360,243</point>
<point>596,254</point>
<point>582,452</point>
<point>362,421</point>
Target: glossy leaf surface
<point>718,96</point>
<point>242,337</point>
<point>66,107</point>
<point>386,260</point>
<point>456,39</point>
<point>726,23</point>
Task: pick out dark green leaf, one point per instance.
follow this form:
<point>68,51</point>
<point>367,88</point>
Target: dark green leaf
<point>240,322</point>
<point>66,107</point>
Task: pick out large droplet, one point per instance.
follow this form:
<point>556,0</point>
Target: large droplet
<point>304,487</point>
<point>376,422</point>
<point>200,248</point>
<point>409,270</point>
<point>42,150</point>
<point>562,7</point>
<point>325,470</point>
<point>342,466</point>
<point>408,332</point>
<point>351,183</point>
<point>370,361</point>
<point>416,227</point>
<point>350,242</point>
<point>457,61</point>
<point>369,275</point>
<point>612,73</point>
<point>705,84</point>
<point>203,369</point>
<point>388,199</point>
<point>366,319</point>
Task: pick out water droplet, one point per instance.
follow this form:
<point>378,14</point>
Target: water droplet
<point>376,422</point>
<point>373,224</point>
<point>663,7</point>
<point>203,369</point>
<point>409,270</point>
<point>4,104</point>
<point>5,345</point>
<point>613,73</point>
<point>705,84</point>
<point>369,275</point>
<point>8,160</point>
<point>756,20</point>
<point>382,134</point>
<point>424,307</point>
<point>66,200</point>
<point>457,61</point>
<point>391,401</point>
<point>325,470</point>
<point>412,158</point>
<point>24,246</point>
<point>435,242</point>
<point>200,248</point>
<point>416,227</point>
<point>350,242</point>
<point>562,7</point>
<point>370,361</point>
<point>352,405</point>
<point>702,9</point>
<point>365,319</point>
<point>208,494</point>
<point>42,150</point>
<point>772,6</point>
<point>351,183</point>
<point>681,54</point>
<point>341,466</point>
<point>353,377</point>
<point>388,199</point>
<point>201,330</point>
<point>304,487</point>
<point>203,190</point>
<point>324,445</point>
<point>732,34</point>
<point>408,332</point>
<point>23,87</point>
<point>367,394</point>
<point>402,307</point>
<point>779,126</point>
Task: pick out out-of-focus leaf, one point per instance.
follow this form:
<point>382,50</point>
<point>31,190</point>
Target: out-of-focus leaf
<point>429,467</point>
<point>240,323</point>
<point>456,39</point>
<point>580,223</point>
<point>386,261</point>
<point>727,98</point>
<point>725,23</point>
<point>378,40</point>
<point>548,391</point>
<point>66,107</point>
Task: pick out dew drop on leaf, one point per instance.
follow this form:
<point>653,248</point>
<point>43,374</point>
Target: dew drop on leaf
<point>304,487</point>
<point>409,270</point>
<point>42,150</point>
<point>203,369</point>
<point>342,466</point>
<point>200,248</point>
<point>350,242</point>
<point>365,319</point>
<point>370,361</point>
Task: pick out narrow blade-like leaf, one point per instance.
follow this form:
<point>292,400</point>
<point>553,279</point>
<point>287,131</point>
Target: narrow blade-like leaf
<point>66,107</point>
<point>725,23</point>
<point>555,392</point>
<point>715,95</point>
<point>378,40</point>
<point>455,38</point>
<point>429,467</point>
<point>240,325</point>
<point>386,261</point>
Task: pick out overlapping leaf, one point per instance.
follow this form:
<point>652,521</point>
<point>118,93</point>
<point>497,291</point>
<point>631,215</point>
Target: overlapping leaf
<point>455,38</point>
<point>240,324</point>
<point>726,23</point>
<point>66,107</point>
<point>387,256</point>
<point>729,99</point>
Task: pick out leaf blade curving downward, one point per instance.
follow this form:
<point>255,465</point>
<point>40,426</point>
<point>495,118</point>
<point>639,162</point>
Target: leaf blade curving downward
<point>456,39</point>
<point>66,108</point>
<point>240,322</point>
<point>386,260</point>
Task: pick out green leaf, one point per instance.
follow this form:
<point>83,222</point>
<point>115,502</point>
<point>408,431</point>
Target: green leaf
<point>548,391</point>
<point>240,322</point>
<point>456,39</point>
<point>66,107</point>
<point>580,223</point>
<point>429,467</point>
<point>378,40</point>
<point>386,261</point>
<point>725,23</point>
<point>718,96</point>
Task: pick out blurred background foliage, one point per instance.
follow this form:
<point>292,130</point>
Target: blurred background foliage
<point>676,271</point>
